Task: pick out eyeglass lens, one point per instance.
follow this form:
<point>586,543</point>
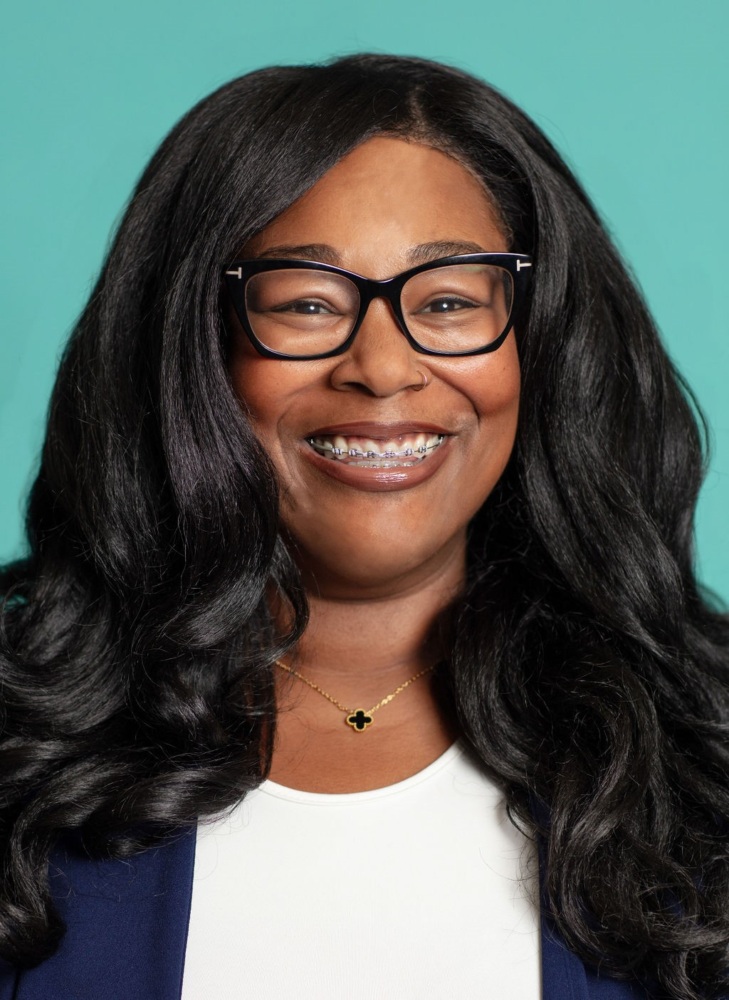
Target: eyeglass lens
<point>451,309</point>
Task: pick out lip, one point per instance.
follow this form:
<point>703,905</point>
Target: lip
<point>384,431</point>
<point>379,480</point>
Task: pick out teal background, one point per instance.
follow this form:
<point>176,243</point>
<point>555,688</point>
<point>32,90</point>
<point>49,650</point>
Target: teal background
<point>633,92</point>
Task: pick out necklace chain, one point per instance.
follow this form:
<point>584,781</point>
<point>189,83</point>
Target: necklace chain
<point>357,718</point>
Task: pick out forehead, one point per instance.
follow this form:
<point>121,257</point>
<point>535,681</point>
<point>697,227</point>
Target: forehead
<point>385,197</point>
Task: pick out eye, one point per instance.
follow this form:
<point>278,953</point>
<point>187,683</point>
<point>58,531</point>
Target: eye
<point>305,307</point>
<point>447,304</point>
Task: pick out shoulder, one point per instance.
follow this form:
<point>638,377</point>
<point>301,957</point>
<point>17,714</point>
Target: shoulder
<point>565,976</point>
<point>120,916</point>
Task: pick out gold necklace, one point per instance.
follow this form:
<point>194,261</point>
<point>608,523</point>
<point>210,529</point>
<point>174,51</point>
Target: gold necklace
<point>357,718</point>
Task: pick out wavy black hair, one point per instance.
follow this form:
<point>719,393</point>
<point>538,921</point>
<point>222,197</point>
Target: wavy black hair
<point>588,670</point>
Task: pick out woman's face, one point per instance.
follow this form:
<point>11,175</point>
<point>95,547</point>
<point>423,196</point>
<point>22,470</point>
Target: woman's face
<point>388,205</point>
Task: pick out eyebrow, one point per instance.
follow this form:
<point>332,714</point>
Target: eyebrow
<point>423,253</point>
<point>302,251</point>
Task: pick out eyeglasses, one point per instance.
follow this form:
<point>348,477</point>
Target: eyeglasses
<point>303,310</point>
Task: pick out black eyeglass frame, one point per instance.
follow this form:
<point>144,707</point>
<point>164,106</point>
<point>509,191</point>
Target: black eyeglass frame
<point>239,272</point>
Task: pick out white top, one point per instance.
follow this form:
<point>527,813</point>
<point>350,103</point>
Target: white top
<point>421,889</point>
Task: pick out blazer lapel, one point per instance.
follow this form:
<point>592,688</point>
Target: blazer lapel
<point>126,926</point>
<point>564,977</point>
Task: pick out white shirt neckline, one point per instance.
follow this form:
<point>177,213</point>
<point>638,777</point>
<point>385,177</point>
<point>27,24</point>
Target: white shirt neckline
<point>291,900</point>
<point>269,787</point>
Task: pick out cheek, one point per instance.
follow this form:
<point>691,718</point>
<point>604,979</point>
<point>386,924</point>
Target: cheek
<point>253,385</point>
<point>493,384</point>
<point>262,385</point>
<point>259,383</point>
<point>494,390</point>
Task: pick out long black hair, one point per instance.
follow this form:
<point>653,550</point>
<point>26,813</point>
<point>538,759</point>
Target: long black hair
<point>588,671</point>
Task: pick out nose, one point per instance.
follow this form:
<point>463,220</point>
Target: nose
<point>380,362</point>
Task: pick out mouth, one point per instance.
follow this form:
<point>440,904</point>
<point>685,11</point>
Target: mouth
<point>395,451</point>
<point>378,457</point>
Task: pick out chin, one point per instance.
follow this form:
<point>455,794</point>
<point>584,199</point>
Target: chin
<point>368,569</point>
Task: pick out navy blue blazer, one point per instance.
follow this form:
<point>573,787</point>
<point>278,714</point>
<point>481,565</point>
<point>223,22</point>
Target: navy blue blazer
<point>127,930</point>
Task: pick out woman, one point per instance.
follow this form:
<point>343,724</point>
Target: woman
<point>415,548</point>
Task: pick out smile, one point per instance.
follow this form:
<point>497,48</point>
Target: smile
<point>398,452</point>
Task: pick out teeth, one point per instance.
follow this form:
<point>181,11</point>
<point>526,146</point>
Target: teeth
<point>407,450</point>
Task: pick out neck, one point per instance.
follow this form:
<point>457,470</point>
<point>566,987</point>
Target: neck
<point>365,642</point>
<point>359,648</point>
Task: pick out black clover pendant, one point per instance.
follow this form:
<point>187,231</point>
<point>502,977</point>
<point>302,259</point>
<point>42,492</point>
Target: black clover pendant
<point>359,720</point>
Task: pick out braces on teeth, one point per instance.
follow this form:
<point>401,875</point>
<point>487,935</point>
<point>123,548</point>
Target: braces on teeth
<point>326,447</point>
